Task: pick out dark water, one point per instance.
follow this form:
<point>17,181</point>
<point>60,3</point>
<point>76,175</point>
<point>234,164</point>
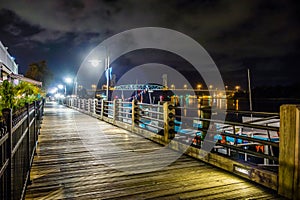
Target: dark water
<point>266,104</point>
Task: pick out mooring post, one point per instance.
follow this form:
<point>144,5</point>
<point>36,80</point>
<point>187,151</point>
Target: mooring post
<point>289,152</point>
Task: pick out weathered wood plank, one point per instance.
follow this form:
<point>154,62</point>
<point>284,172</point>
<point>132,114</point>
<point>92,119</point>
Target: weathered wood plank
<point>289,157</point>
<point>74,161</point>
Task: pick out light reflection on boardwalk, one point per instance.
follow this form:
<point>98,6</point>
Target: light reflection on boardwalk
<point>64,167</point>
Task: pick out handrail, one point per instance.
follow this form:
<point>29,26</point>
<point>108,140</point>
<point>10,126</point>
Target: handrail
<point>141,115</point>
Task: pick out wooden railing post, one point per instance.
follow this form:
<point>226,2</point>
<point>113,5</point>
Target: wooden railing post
<point>289,152</point>
<point>102,108</point>
<point>169,115</point>
<point>134,111</point>
<point>7,114</point>
<point>94,105</point>
<point>115,109</point>
<point>166,126</point>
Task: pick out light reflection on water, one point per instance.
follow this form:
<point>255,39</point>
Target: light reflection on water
<point>223,104</point>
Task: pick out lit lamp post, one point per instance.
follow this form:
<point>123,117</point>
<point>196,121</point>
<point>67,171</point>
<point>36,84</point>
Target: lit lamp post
<point>199,86</point>
<point>237,88</point>
<point>68,80</point>
<point>173,87</point>
<point>95,63</point>
<point>61,87</point>
<point>60,96</point>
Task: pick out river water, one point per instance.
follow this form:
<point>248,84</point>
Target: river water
<point>268,105</point>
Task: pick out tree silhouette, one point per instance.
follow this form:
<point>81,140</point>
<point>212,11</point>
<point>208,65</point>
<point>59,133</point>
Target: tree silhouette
<point>40,72</point>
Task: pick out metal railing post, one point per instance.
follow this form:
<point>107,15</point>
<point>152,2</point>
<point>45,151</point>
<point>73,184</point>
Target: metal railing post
<point>35,125</point>
<point>28,136</point>
<point>7,114</point>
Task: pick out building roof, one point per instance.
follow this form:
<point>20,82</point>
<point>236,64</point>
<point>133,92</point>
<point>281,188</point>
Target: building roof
<point>22,78</point>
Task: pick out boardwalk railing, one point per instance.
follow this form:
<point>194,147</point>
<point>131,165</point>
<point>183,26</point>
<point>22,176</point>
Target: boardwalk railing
<point>250,150</point>
<point>18,141</point>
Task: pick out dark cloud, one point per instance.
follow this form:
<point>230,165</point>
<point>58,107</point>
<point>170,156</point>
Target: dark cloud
<point>261,35</point>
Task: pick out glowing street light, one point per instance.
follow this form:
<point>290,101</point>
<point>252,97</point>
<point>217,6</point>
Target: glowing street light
<point>95,63</point>
<point>172,86</point>
<point>60,86</point>
<point>94,87</point>
<point>199,86</point>
<point>68,80</point>
<point>237,88</point>
<point>185,86</point>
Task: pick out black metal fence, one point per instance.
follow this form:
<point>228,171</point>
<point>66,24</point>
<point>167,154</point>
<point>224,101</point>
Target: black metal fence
<point>18,140</point>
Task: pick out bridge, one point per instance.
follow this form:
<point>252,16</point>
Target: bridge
<point>93,149</point>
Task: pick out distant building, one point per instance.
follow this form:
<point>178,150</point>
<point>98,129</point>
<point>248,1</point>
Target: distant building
<point>9,69</point>
<point>7,64</point>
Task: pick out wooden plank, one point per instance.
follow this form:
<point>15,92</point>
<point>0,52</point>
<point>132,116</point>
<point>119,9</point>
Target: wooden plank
<point>65,167</point>
<point>289,157</point>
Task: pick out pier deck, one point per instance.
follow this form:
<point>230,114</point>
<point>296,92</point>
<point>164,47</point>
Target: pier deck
<point>74,161</point>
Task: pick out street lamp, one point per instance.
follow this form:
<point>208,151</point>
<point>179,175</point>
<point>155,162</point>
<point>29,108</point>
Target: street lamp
<point>185,86</point>
<point>199,86</point>
<point>237,88</point>
<point>95,63</point>
<point>172,86</point>
<point>68,80</point>
<point>60,86</point>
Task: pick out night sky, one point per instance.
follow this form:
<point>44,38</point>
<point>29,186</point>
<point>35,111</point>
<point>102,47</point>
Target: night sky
<point>256,34</point>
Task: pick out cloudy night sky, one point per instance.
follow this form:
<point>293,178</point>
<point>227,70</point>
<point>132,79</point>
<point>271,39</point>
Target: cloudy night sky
<point>256,34</point>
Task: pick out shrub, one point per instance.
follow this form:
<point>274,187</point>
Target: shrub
<point>17,96</point>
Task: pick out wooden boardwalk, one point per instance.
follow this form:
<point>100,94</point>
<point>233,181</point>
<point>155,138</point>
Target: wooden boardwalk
<point>80,157</point>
